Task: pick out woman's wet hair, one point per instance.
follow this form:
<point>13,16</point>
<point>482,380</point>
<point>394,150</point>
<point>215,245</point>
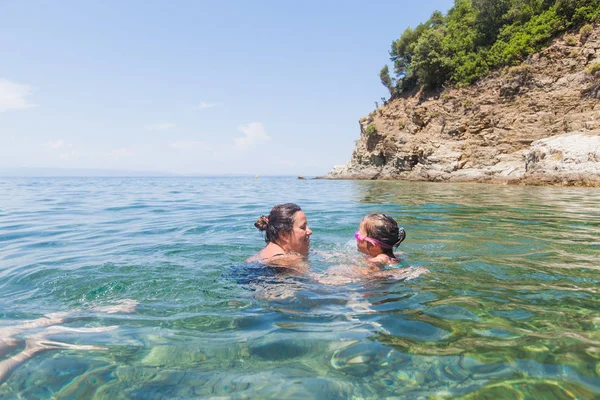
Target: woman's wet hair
<point>280,219</point>
<point>385,229</point>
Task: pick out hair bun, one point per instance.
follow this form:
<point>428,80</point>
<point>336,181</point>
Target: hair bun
<point>401,237</point>
<point>262,223</point>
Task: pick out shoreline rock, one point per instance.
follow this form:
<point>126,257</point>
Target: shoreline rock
<point>534,124</point>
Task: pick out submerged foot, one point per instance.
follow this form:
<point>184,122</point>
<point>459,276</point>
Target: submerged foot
<point>38,344</point>
<point>59,329</point>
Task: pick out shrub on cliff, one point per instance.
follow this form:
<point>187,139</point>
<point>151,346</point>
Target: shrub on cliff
<point>371,129</point>
<point>585,32</point>
<point>571,40</point>
<point>578,12</point>
<point>517,41</point>
<point>593,69</point>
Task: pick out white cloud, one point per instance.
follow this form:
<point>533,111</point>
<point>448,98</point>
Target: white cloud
<point>162,126</point>
<point>70,155</point>
<point>204,105</point>
<point>12,96</point>
<point>254,132</point>
<point>64,149</point>
<point>55,144</point>
<point>121,153</point>
<point>189,145</point>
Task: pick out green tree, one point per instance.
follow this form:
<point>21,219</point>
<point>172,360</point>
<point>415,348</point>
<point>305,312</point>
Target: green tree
<point>430,64</point>
<point>577,12</point>
<point>403,49</point>
<point>521,11</point>
<point>490,17</point>
<point>478,35</point>
<point>436,20</point>
<point>460,44</point>
<point>386,80</point>
<point>471,67</point>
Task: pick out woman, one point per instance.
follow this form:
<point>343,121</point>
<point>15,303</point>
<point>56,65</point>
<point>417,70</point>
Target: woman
<point>287,235</point>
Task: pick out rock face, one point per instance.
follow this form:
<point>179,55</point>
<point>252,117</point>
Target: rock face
<point>567,159</point>
<point>534,123</point>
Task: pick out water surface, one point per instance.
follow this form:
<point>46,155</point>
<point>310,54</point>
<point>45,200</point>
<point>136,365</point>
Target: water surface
<point>509,308</point>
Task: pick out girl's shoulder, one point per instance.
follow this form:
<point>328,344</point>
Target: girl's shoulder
<point>383,260</point>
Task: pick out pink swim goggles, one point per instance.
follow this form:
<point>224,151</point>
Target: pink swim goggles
<point>379,243</point>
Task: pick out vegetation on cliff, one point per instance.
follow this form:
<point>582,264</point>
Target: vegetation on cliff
<point>476,36</point>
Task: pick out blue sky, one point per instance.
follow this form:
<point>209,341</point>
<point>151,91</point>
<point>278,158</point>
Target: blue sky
<point>193,87</point>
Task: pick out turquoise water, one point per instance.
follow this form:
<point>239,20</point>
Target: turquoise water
<point>509,309</point>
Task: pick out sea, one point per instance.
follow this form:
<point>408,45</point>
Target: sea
<point>137,288</point>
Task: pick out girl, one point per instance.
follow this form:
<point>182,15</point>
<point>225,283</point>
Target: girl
<point>377,236</point>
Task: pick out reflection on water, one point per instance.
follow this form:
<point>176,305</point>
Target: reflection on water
<point>508,309</point>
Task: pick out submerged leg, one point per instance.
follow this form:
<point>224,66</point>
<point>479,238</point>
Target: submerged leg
<point>34,346</point>
<point>38,342</point>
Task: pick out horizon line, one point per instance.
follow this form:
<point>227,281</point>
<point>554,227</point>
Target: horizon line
<point>32,172</point>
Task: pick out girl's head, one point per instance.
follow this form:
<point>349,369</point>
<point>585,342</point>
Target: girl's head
<point>378,233</point>
<point>287,227</point>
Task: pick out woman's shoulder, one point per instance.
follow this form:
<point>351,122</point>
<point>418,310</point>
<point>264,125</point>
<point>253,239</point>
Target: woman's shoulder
<point>290,262</point>
<point>260,258</point>
<point>270,251</point>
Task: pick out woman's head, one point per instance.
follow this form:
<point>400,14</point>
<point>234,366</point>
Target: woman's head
<point>379,233</point>
<point>287,227</point>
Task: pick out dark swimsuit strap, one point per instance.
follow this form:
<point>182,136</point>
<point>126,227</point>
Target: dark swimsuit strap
<point>267,258</point>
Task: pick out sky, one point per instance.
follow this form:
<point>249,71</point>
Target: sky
<point>193,87</point>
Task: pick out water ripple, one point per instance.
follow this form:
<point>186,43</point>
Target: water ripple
<point>508,309</point>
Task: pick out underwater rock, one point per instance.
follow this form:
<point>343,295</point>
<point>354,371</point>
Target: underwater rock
<point>452,312</point>
<point>173,356</point>
<point>279,350</point>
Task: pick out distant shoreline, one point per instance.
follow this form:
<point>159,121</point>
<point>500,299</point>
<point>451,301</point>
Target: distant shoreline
<point>102,173</point>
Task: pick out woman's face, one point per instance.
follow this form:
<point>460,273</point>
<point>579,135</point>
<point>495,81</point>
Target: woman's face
<point>298,239</point>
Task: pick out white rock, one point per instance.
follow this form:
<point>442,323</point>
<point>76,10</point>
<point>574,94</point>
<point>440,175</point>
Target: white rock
<point>575,152</point>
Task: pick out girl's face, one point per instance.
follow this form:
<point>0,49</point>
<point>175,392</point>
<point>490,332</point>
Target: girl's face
<point>298,239</point>
<point>362,245</point>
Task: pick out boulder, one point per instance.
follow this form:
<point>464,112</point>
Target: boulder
<point>570,153</point>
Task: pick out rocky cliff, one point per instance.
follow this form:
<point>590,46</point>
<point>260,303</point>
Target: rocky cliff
<point>538,122</point>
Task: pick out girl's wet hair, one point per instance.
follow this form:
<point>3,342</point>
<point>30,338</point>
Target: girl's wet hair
<point>385,229</point>
<point>280,219</point>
